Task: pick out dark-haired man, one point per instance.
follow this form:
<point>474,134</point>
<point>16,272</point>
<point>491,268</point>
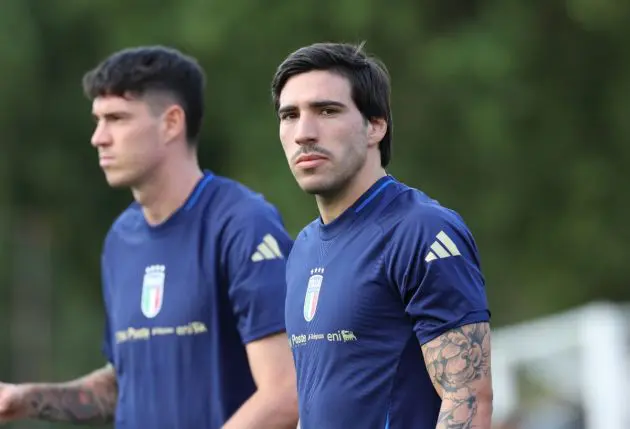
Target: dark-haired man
<point>193,272</point>
<point>386,309</point>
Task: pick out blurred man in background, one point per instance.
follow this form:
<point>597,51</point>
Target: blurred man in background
<point>384,272</point>
<point>193,272</point>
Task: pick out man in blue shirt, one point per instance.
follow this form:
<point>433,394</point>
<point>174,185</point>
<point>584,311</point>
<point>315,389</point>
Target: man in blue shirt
<point>386,310</point>
<point>193,272</point>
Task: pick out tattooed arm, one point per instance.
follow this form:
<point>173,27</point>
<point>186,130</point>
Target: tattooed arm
<point>459,365</point>
<point>90,399</point>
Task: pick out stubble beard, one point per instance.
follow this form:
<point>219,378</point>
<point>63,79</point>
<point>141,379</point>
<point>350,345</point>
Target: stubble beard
<point>336,182</point>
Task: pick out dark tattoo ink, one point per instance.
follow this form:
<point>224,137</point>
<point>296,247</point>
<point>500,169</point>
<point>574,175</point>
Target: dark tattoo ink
<point>90,401</point>
<point>456,361</point>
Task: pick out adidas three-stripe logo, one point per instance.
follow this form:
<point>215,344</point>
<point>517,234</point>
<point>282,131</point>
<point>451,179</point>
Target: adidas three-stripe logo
<point>267,249</point>
<point>442,248</point>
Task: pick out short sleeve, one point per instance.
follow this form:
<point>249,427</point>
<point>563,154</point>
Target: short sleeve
<point>434,264</point>
<point>106,345</point>
<point>256,247</point>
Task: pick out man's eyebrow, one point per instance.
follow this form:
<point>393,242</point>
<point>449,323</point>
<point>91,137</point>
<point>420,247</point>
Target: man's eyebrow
<point>113,113</point>
<point>313,104</point>
<point>285,109</point>
<point>327,103</point>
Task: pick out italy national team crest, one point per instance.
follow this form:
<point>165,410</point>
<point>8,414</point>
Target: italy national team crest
<point>153,290</point>
<point>312,293</point>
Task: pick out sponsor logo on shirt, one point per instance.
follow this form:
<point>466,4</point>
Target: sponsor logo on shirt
<point>145,334</point>
<point>340,336</point>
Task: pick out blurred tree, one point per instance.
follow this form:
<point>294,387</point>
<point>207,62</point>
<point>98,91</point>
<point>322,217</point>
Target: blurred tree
<point>512,113</point>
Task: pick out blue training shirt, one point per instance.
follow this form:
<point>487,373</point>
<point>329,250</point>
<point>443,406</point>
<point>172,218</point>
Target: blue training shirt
<point>365,291</point>
<point>184,298</point>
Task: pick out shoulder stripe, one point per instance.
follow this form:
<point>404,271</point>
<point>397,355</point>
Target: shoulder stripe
<point>268,249</point>
<point>448,243</point>
<point>442,247</point>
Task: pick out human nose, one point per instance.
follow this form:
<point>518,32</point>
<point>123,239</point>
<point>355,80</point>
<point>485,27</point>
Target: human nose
<point>306,130</point>
<point>101,135</point>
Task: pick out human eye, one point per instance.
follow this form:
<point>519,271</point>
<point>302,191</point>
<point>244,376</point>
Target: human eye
<point>284,116</point>
<point>112,118</point>
<point>328,111</point>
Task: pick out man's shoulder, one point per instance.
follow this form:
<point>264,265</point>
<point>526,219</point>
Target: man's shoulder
<point>128,223</point>
<point>222,197</point>
<point>231,198</point>
<point>304,242</point>
<point>130,219</point>
<point>309,232</point>
<point>233,189</point>
<point>412,209</point>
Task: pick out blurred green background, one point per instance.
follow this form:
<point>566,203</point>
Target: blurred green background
<point>511,112</point>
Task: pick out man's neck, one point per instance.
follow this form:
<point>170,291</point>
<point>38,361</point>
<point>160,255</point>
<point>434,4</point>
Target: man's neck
<point>330,208</point>
<point>167,191</point>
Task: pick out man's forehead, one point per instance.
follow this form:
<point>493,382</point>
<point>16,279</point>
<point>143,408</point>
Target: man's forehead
<point>107,103</point>
<point>315,85</point>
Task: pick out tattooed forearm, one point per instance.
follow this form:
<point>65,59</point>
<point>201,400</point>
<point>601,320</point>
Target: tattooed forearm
<point>459,365</point>
<point>70,404</point>
<point>88,400</point>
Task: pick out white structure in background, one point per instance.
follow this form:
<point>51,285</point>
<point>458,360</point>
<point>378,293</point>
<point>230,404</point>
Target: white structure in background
<point>581,356</point>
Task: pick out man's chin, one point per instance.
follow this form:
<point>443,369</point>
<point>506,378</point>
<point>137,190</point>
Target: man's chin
<point>117,180</point>
<point>315,185</point>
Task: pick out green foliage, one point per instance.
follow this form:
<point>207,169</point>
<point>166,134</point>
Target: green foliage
<point>512,113</point>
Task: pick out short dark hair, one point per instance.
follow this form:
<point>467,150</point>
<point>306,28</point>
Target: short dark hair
<point>146,69</point>
<point>368,76</point>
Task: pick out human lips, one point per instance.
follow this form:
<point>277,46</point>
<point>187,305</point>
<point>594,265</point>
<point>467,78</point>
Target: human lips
<point>105,160</point>
<point>310,160</point>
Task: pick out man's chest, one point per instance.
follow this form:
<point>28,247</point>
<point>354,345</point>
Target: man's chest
<point>161,291</point>
<point>340,293</point>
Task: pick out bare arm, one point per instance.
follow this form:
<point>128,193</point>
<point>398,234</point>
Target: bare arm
<point>90,399</point>
<point>459,365</point>
<point>274,404</point>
